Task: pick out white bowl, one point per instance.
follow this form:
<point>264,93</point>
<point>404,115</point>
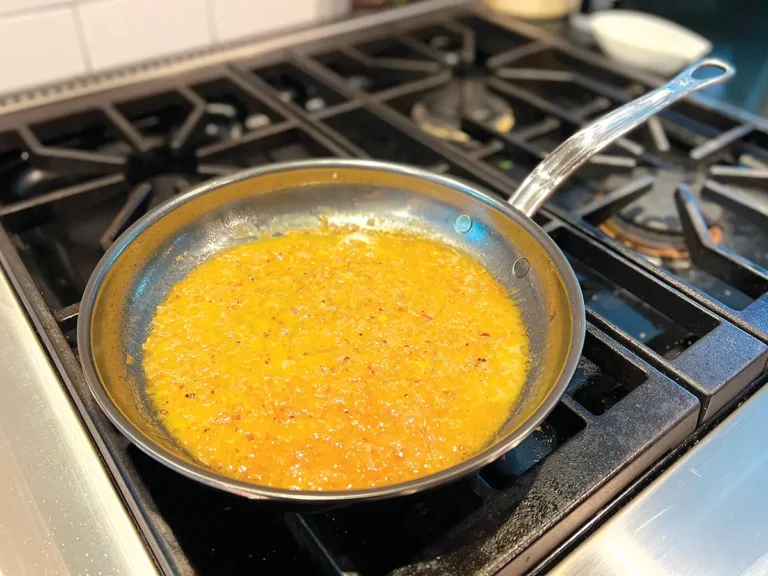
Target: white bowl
<point>647,41</point>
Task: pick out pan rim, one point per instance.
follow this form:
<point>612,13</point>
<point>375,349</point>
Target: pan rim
<point>254,491</point>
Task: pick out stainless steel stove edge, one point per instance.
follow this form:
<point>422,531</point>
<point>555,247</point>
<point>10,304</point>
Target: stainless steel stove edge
<point>60,511</point>
<point>704,515</point>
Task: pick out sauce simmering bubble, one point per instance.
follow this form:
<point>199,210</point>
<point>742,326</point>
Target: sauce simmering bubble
<point>336,359</point>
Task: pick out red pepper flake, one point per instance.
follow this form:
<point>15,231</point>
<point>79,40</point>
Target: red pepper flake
<point>427,316</point>
<point>266,334</point>
<point>181,386</point>
<point>371,370</point>
<point>485,335</point>
<point>249,435</point>
<point>236,417</point>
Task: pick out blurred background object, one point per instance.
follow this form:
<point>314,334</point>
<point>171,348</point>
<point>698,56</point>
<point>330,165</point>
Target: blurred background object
<point>738,30</point>
<point>646,41</point>
<point>535,9</point>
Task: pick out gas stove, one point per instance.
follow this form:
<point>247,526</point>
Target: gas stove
<point>666,231</point>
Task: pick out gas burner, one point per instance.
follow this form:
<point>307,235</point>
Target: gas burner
<point>651,224</point>
<point>26,181</point>
<point>440,112</point>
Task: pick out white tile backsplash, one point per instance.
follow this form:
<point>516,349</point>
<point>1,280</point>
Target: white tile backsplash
<point>332,9</point>
<point>45,41</point>
<point>119,32</point>
<point>7,6</point>
<point>39,47</point>
<point>234,19</point>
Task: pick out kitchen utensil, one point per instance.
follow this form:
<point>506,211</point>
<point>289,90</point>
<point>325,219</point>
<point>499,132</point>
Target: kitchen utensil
<point>137,271</point>
<point>647,41</point>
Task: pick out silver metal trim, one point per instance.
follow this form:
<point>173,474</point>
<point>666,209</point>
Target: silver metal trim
<point>705,515</point>
<point>60,511</point>
<point>248,490</point>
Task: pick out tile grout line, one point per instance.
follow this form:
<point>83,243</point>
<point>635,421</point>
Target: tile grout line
<point>26,11</point>
<point>80,30</point>
<point>211,21</point>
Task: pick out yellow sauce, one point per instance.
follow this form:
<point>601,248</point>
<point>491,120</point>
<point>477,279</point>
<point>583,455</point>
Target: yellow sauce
<point>336,359</point>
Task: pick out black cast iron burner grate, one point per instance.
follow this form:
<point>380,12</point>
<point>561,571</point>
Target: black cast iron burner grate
<point>656,362</point>
<point>633,196</point>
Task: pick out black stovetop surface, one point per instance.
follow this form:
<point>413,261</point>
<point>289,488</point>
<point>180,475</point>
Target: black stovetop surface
<point>666,231</point>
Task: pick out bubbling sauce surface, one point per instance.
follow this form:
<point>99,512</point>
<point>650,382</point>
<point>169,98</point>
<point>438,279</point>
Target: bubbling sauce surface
<point>336,359</point>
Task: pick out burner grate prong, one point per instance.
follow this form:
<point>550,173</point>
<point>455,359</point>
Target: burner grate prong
<point>134,138</point>
<point>709,255</point>
<point>549,124</point>
<point>214,170</point>
<point>739,176</point>
<point>101,185</point>
<point>596,106</point>
<point>717,144</point>
<point>737,201</point>
<point>425,66</point>
<point>69,160</point>
<point>186,132</point>
<point>750,161</point>
<point>613,161</point>
<point>67,317</point>
<point>499,60</point>
<point>658,134</point>
<point>612,203</point>
<point>138,196</point>
<point>535,74</point>
<point>492,147</point>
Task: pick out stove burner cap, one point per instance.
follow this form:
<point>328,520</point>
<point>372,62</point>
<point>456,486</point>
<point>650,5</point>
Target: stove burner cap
<point>441,111</point>
<point>651,224</point>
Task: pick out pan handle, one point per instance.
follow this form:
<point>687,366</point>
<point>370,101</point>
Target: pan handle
<point>571,154</point>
